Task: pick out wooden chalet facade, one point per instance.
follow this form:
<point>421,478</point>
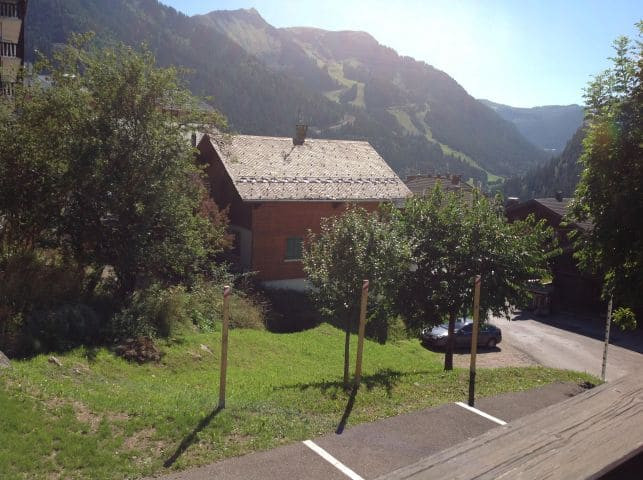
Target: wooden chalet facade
<point>278,189</point>
<point>572,289</point>
<point>12,42</point>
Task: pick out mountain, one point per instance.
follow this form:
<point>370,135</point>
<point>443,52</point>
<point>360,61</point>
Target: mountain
<point>549,127</point>
<point>561,173</point>
<point>354,70</point>
<point>344,84</point>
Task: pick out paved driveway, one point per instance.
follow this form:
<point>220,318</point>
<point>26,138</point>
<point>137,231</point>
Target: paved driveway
<point>369,450</point>
<point>573,343</point>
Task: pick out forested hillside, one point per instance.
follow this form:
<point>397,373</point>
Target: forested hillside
<point>559,174</point>
<point>344,84</point>
<point>354,70</point>
<point>549,127</point>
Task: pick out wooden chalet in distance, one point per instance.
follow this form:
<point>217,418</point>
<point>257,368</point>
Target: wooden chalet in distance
<point>12,42</point>
<point>277,189</point>
<point>422,185</point>
<point>572,289</point>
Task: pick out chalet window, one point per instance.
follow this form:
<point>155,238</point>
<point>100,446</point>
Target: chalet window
<point>8,49</point>
<point>8,9</point>
<point>294,248</point>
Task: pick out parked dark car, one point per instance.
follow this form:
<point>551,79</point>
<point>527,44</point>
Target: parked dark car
<point>488,335</point>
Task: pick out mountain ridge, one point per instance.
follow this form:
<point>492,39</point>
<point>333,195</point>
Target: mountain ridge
<point>361,69</point>
<point>560,174</point>
<point>345,84</point>
<point>549,127</point>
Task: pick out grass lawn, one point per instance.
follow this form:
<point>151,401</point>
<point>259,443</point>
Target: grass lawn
<point>98,416</point>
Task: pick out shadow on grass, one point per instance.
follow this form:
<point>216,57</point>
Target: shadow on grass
<point>386,378</point>
<point>347,411</point>
<point>191,437</point>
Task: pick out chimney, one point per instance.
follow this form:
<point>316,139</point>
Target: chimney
<point>193,139</point>
<point>559,195</point>
<point>455,179</point>
<point>300,134</point>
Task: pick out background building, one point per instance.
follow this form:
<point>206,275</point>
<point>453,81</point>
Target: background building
<point>12,42</point>
<point>573,290</point>
<point>278,189</point>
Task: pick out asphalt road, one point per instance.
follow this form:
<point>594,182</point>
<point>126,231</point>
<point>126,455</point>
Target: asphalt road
<point>374,449</point>
<point>572,343</point>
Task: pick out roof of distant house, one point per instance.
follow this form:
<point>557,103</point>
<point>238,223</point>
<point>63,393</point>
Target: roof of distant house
<point>422,185</point>
<point>273,168</point>
<point>559,207</point>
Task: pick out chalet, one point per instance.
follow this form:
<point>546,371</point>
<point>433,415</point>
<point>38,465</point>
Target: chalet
<point>572,289</point>
<point>277,189</point>
<point>422,185</point>
<point>12,42</point>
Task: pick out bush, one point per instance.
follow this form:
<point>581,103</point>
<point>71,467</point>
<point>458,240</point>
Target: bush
<point>245,312</point>
<point>39,293</point>
<point>153,312</point>
<point>60,328</point>
<point>159,312</point>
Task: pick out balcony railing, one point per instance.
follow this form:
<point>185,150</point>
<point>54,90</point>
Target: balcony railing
<point>8,9</point>
<point>8,49</point>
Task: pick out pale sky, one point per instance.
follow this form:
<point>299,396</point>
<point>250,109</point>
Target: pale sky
<point>517,52</point>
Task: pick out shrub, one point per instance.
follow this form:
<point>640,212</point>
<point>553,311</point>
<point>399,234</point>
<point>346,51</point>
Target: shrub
<point>159,312</point>
<point>60,328</point>
<point>152,312</point>
<point>39,290</point>
<point>245,312</point>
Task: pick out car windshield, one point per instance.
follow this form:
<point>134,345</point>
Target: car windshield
<point>458,325</point>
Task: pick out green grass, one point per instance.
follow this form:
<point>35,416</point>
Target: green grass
<point>98,416</point>
<point>404,120</point>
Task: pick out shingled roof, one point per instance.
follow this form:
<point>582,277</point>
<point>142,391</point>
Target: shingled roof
<point>422,185</point>
<point>561,208</point>
<point>558,206</point>
<point>273,169</point>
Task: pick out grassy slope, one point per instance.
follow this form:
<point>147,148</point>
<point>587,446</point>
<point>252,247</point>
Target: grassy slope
<point>100,417</point>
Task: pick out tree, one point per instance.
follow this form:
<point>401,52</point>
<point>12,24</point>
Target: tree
<point>97,165</point>
<point>609,192</point>
<point>350,248</point>
<point>452,241</point>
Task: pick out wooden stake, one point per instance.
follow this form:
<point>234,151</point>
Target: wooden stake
<point>608,321</point>
<point>474,340</point>
<point>360,338</point>
<point>224,346</point>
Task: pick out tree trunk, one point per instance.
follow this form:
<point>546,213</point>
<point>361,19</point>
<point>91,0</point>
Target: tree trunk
<point>448,356</point>
<point>608,321</point>
<point>347,346</point>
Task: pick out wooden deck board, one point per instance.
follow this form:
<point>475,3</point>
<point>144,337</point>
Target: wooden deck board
<point>582,437</point>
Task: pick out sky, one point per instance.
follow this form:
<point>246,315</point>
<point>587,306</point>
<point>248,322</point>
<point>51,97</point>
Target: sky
<point>521,53</point>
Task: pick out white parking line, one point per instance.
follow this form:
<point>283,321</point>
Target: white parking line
<point>482,414</point>
<point>332,460</point>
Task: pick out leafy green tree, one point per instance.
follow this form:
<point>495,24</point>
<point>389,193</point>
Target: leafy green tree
<point>609,193</point>
<point>350,248</point>
<point>453,241</point>
<point>98,165</point>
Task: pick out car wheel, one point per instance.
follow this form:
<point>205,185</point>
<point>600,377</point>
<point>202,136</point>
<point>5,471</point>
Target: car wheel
<point>491,343</point>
